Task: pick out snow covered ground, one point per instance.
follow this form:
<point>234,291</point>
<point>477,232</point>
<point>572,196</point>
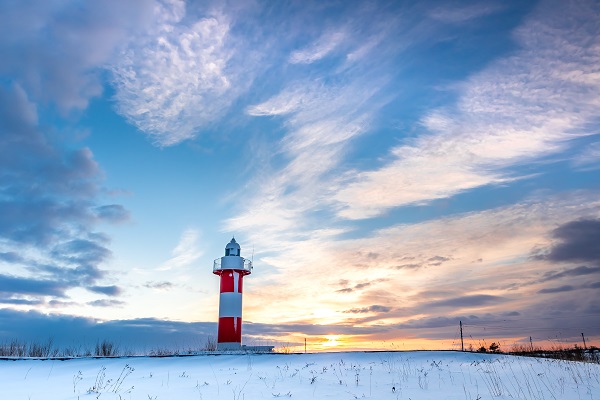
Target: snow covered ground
<point>352,375</point>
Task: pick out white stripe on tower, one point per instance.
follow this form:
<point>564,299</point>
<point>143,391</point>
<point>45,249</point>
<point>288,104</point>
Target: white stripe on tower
<point>230,305</point>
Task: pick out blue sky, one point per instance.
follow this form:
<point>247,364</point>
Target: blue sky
<point>392,168</point>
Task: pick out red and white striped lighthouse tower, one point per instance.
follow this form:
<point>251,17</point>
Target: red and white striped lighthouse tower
<point>231,268</point>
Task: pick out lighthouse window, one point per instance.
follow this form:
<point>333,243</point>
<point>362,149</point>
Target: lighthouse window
<point>227,251</point>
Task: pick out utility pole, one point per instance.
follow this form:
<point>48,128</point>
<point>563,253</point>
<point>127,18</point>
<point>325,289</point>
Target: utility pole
<point>462,343</point>
<point>584,346</point>
<point>531,343</point>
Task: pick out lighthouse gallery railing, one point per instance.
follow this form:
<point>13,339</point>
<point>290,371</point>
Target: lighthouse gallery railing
<point>246,265</point>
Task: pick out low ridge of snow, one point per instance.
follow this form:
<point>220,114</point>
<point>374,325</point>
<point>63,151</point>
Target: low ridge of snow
<point>351,375</point>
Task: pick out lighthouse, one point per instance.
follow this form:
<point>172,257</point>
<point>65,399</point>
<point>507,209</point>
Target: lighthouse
<point>231,268</point>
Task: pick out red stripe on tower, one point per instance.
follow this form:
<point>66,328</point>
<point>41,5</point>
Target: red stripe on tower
<point>231,268</point>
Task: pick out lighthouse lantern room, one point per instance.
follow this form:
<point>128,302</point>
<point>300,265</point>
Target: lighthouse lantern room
<point>231,268</point>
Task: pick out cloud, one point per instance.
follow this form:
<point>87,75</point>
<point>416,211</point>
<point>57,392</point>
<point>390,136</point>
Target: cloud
<point>275,330</point>
<point>11,285</point>
<point>321,118</point>
<point>186,252</point>
<point>54,280</point>
<point>437,260</point>
<point>112,213</point>
<point>292,99</point>
<point>322,110</point>
<point>106,303</point>
<point>560,289</point>
<point>11,257</point>
<point>107,290</point>
<point>20,301</point>
<point>408,266</point>
<point>571,272</point>
<point>181,75</point>
<point>475,300</point>
<point>81,251</point>
<point>18,113</point>
<point>442,322</point>
<point>135,334</point>
<point>358,286</point>
<point>511,113</point>
<point>462,14</point>
<point>44,189</point>
<point>48,199</point>
<point>477,327</point>
<point>512,314</point>
<point>486,265</point>
<point>373,308</point>
<point>159,285</point>
<point>589,158</point>
<point>74,275</point>
<point>41,45</point>
<point>318,49</point>
<point>577,242</point>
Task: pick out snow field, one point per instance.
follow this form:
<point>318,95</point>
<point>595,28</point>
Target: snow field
<point>352,375</point>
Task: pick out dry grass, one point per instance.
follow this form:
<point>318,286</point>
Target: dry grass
<point>558,352</point>
<point>103,348</point>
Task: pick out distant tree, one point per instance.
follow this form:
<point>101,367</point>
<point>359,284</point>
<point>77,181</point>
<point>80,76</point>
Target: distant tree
<point>495,347</point>
<point>482,349</point>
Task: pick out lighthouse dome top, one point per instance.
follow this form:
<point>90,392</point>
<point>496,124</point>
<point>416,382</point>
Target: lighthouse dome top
<point>232,261</point>
<point>232,248</point>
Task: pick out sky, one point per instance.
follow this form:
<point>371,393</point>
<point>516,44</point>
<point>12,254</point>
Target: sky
<point>390,167</point>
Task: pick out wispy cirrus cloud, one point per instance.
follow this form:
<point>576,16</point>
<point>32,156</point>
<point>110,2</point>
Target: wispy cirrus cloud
<point>164,285</point>
<point>179,76</point>
<point>560,289</point>
<point>309,171</point>
<point>470,301</point>
<point>318,49</point>
<point>464,13</point>
<point>185,253</point>
<point>571,272</point>
<point>514,111</point>
<point>588,158</point>
<point>321,119</point>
